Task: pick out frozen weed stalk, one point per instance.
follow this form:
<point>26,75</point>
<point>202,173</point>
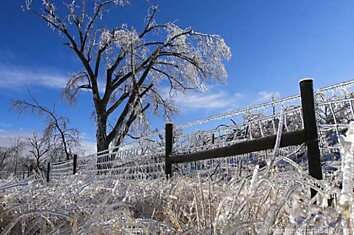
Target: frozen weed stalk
<point>346,196</point>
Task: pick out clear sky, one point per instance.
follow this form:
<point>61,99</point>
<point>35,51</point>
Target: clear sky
<point>274,44</point>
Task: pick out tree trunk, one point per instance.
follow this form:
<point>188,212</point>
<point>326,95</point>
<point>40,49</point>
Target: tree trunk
<point>101,136</point>
<point>102,145</point>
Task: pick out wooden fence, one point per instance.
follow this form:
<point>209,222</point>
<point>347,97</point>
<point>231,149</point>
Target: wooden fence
<point>308,135</point>
<point>173,154</point>
<point>74,167</point>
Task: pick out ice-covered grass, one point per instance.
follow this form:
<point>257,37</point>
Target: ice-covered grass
<point>266,201</point>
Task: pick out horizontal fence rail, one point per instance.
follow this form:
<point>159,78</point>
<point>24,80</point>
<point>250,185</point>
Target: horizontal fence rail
<point>288,139</point>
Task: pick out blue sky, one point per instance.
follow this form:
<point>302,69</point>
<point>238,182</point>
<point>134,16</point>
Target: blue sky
<point>274,44</point>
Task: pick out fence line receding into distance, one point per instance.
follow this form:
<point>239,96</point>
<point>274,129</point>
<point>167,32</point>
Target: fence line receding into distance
<point>230,139</point>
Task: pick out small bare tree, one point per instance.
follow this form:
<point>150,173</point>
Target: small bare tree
<point>10,157</point>
<point>4,154</point>
<point>40,147</point>
<point>56,129</point>
<point>124,69</point>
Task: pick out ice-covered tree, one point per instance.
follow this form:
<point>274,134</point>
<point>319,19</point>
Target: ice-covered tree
<point>63,138</point>
<point>39,149</point>
<point>128,71</point>
<point>10,157</point>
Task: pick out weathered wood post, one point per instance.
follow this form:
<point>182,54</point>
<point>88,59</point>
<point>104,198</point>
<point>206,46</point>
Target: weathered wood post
<point>74,164</point>
<point>310,128</point>
<point>168,148</point>
<point>48,171</point>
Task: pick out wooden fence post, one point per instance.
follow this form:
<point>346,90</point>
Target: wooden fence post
<point>168,148</point>
<point>74,164</point>
<point>48,171</point>
<point>310,127</point>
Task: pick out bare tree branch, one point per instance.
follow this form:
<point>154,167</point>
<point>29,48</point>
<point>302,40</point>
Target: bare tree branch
<point>56,125</point>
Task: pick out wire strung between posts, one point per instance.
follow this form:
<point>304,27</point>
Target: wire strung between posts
<point>262,106</point>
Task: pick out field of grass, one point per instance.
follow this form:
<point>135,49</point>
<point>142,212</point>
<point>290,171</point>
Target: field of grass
<point>266,202</point>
